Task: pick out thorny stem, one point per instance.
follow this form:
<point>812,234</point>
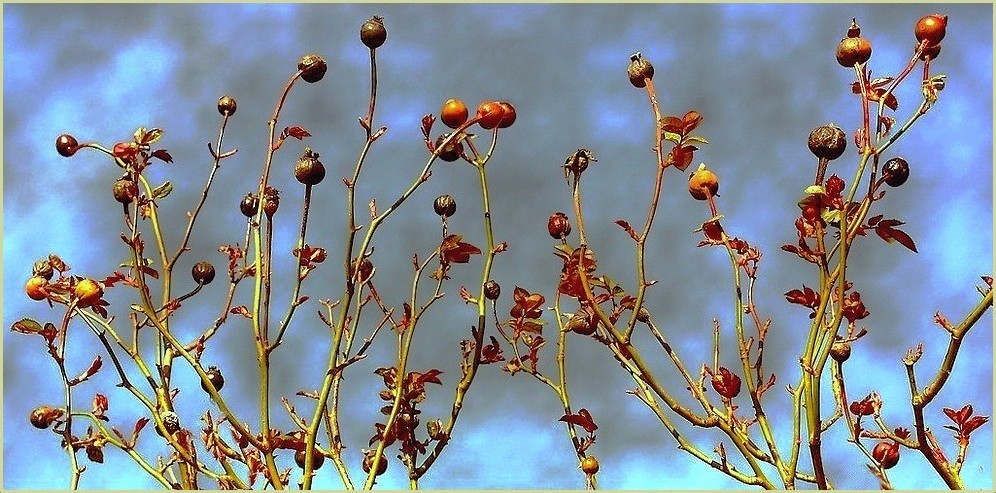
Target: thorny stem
<point>347,298</point>
<point>260,299</point>
<point>641,241</point>
<point>744,350</point>
<point>296,290</point>
<point>470,371</point>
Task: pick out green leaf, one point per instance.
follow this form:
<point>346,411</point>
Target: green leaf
<point>162,190</point>
<point>672,137</point>
<point>812,189</point>
<point>26,326</point>
<point>693,139</point>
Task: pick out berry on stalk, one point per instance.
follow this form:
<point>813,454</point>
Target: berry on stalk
<point>827,142</point>
<point>317,459</point>
<point>853,51</point>
<point>88,292</point>
<point>66,145</point>
<point>703,183</point>
<point>249,205</point>
<point>896,171</point>
<point>589,465</point>
<point>445,206</point>
<point>931,28</point>
<point>490,114</point>
<point>373,33</point>
<point>312,67</point>
<point>492,290</point>
<point>308,169</point>
<point>640,70</point>
<point>450,152</point>
<point>368,460</point>
<point>35,288</point>
<point>203,273</point>
<point>226,105</point>
<point>216,378</point>
<point>559,226</point>
<point>454,113</point>
<point>125,190</point>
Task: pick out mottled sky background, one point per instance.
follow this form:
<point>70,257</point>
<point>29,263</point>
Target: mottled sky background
<point>762,76</point>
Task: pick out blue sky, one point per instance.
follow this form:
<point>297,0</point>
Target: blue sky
<point>762,75</point>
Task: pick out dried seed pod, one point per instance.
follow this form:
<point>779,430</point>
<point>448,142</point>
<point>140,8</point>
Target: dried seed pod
<point>559,226</point>
<point>445,206</point>
<point>203,273</point>
<point>42,268</point>
<point>368,460</point>
<point>216,378</point>
<point>492,290</point>
<point>312,67</point>
<point>896,171</point>
<point>227,105</point>
<point>317,459</point>
<point>827,142</point>
<point>308,169</point>
<point>249,205</point>
<point>125,190</point>
<point>640,70</point>
<point>840,351</point>
<point>373,33</point>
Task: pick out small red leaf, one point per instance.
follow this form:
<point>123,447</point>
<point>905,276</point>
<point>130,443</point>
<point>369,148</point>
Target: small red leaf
<point>298,133</point>
<point>582,419</point>
<point>162,155</point>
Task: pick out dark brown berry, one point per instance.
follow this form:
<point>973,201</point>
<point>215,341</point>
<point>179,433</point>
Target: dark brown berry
<point>827,142</point>
<point>559,226</point>
<point>203,273</point>
<point>66,145</point>
<point>309,170</point>
<point>42,417</point>
<point>896,171</point>
<point>271,201</point>
<point>43,269</point>
<point>852,51</point>
<point>640,70</point>
<point>931,28</point>
<point>492,290</point>
<point>452,151</point>
<point>216,378</point>
<point>312,67</point>
<point>445,206</point>
<point>373,33</point>
<point>317,459</point>
<point>582,322</point>
<point>125,190</point>
<point>249,205</point>
<point>840,351</point>
<point>171,422</point>
<point>226,105</point>
<point>368,460</point>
